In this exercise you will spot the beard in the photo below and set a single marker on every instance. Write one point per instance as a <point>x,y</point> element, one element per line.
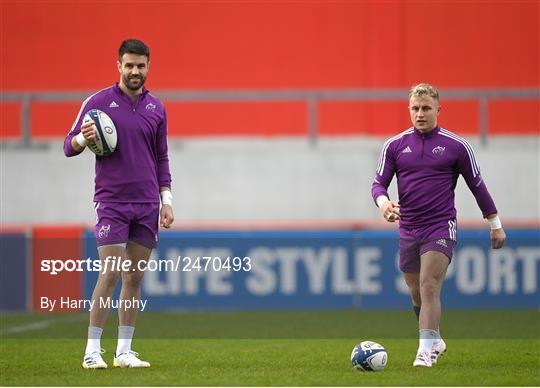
<point>131,82</point>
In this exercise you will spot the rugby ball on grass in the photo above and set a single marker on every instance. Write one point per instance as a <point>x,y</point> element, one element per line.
<point>106,137</point>
<point>369,356</point>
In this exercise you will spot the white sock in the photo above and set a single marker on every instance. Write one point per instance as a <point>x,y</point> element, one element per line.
<point>427,338</point>
<point>93,343</point>
<point>439,338</point>
<point>125,335</point>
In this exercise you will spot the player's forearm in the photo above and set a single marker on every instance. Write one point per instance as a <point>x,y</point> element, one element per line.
<point>381,200</point>
<point>494,221</point>
<point>378,193</point>
<point>75,144</point>
<point>164,172</point>
<point>166,195</point>
<point>164,177</point>
<point>484,200</point>
<point>381,181</point>
<point>72,147</point>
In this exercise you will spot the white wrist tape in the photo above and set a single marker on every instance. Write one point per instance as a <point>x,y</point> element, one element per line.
<point>381,200</point>
<point>495,223</point>
<point>81,140</point>
<point>166,197</point>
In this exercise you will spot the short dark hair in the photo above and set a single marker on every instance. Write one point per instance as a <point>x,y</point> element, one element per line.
<point>133,46</point>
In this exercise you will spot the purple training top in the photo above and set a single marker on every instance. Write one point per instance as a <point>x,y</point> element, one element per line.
<point>427,166</point>
<point>139,166</point>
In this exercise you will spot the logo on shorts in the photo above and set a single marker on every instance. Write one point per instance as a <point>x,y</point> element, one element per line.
<point>442,242</point>
<point>438,150</point>
<point>104,231</point>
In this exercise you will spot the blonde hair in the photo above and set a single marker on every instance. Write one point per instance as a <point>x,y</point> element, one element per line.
<point>422,90</point>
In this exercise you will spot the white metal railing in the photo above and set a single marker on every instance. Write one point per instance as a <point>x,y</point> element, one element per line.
<point>310,96</point>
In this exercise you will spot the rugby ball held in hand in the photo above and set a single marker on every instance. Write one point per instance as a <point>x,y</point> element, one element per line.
<point>106,137</point>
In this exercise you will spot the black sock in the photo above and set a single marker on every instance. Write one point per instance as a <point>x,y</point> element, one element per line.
<point>417,311</point>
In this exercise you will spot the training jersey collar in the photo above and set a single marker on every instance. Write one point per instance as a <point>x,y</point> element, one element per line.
<point>429,134</point>
<point>120,92</point>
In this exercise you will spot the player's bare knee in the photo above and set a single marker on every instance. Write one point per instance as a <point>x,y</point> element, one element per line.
<point>413,283</point>
<point>416,296</point>
<point>429,288</point>
<point>414,290</point>
<point>132,279</point>
<point>109,279</point>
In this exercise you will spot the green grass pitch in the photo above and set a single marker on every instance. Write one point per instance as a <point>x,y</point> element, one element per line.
<point>277,348</point>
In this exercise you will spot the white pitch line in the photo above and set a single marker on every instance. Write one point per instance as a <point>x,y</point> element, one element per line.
<point>39,325</point>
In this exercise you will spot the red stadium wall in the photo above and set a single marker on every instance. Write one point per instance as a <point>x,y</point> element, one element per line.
<point>279,45</point>
<point>55,243</point>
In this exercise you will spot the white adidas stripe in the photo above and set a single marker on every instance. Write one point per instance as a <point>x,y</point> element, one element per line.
<point>474,165</point>
<point>466,144</point>
<point>452,229</point>
<point>82,108</point>
<point>96,207</point>
<point>382,157</point>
